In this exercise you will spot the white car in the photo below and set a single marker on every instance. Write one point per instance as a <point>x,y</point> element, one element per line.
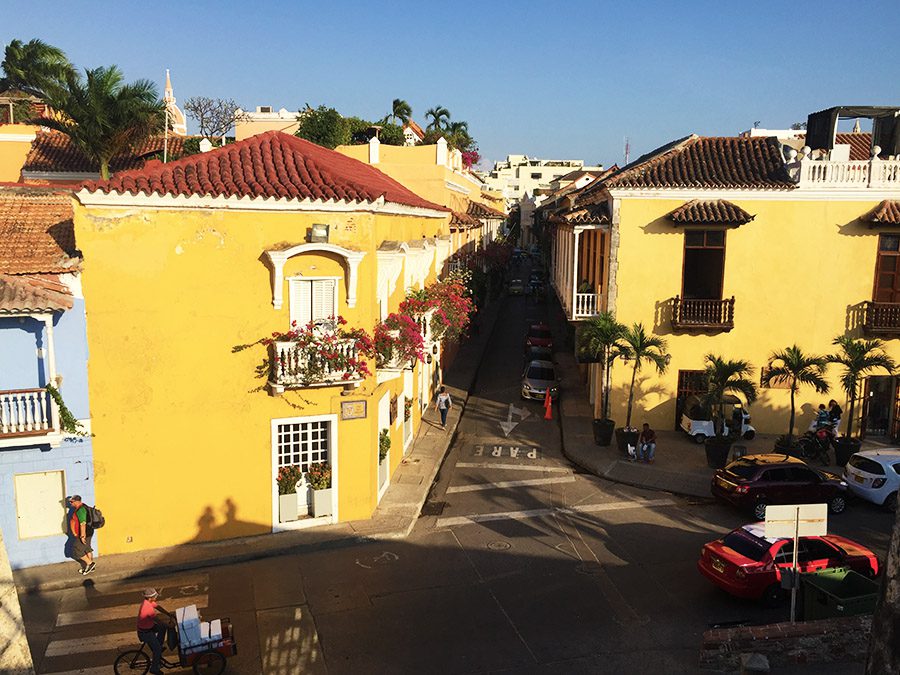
<point>874,475</point>
<point>699,425</point>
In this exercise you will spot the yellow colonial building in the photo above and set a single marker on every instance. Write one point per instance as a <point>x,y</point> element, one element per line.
<point>189,262</point>
<point>741,246</point>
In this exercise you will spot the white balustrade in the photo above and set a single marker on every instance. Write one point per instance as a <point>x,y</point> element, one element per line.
<point>585,305</point>
<point>851,174</point>
<point>25,412</point>
<point>294,366</point>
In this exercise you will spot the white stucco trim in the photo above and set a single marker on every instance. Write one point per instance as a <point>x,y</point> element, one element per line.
<point>279,258</point>
<point>70,176</point>
<point>790,195</point>
<point>18,138</point>
<point>156,201</point>
<point>456,187</point>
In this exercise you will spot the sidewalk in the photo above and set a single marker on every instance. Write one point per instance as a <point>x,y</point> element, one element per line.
<point>394,518</point>
<point>679,464</point>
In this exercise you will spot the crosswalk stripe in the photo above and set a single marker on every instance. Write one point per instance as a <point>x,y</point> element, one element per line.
<point>456,521</point>
<point>511,467</point>
<point>125,611</point>
<point>509,484</point>
<point>97,643</point>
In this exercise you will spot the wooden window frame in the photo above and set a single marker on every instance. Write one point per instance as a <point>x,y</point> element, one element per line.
<point>723,248</point>
<point>879,255</point>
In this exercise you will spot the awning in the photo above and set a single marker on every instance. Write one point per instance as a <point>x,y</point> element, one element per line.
<point>33,294</point>
<point>710,212</point>
<point>886,213</point>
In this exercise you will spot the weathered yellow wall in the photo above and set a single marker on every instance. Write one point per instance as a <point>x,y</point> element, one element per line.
<point>13,153</point>
<point>182,445</point>
<point>793,271</point>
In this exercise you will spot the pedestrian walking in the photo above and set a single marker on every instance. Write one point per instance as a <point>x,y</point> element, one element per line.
<point>646,444</point>
<point>150,629</point>
<point>80,534</point>
<point>443,404</point>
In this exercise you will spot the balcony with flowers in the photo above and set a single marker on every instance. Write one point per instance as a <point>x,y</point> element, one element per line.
<point>398,343</point>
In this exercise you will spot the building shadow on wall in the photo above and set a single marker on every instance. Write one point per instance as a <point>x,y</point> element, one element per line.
<point>223,523</point>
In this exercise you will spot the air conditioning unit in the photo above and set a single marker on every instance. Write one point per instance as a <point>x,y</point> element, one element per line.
<point>263,108</point>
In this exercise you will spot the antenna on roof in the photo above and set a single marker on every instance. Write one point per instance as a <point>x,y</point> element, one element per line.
<point>627,150</point>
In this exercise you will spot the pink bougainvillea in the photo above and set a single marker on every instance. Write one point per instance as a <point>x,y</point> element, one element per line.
<point>398,339</point>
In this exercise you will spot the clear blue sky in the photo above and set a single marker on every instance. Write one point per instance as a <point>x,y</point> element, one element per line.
<point>553,80</point>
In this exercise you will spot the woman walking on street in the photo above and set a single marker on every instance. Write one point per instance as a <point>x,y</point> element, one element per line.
<point>443,404</point>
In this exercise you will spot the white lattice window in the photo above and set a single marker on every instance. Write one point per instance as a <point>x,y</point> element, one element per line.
<point>302,443</point>
<point>313,299</point>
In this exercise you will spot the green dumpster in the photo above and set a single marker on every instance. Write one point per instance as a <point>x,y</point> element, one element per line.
<point>837,592</point>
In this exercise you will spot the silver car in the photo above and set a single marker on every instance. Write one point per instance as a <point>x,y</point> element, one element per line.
<point>537,378</point>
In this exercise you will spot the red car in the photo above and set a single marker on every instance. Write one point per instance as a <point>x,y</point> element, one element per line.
<point>539,335</point>
<point>748,565</point>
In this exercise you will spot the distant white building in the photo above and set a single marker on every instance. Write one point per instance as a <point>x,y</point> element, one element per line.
<point>521,174</point>
<point>265,118</point>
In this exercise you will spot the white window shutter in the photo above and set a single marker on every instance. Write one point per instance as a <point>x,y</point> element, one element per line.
<point>301,301</point>
<point>323,299</point>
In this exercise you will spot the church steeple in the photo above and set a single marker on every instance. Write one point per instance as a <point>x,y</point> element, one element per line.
<point>176,118</point>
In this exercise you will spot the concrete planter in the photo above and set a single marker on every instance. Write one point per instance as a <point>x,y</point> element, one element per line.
<point>321,502</point>
<point>287,507</point>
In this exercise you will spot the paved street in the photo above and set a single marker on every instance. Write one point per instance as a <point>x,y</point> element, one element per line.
<point>519,564</point>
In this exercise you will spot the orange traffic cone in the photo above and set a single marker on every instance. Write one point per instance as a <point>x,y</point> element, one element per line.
<point>548,405</point>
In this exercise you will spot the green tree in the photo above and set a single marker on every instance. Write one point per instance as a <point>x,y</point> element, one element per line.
<point>103,116</point>
<point>401,112</point>
<point>323,126</point>
<point>392,134</point>
<point>794,368</point>
<point>35,68</point>
<point>439,116</point>
<point>723,378</point>
<point>600,337</point>
<point>642,347</point>
<point>859,358</point>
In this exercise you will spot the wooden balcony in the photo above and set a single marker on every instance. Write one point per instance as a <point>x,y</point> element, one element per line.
<point>881,318</point>
<point>26,412</point>
<point>703,314</point>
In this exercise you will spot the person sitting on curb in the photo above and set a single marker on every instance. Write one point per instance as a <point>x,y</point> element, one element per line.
<point>646,444</point>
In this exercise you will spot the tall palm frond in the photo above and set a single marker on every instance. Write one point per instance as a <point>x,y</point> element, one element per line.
<point>401,111</point>
<point>723,378</point>
<point>34,67</point>
<point>859,358</point>
<point>794,368</point>
<point>642,347</point>
<point>439,117</point>
<point>600,338</point>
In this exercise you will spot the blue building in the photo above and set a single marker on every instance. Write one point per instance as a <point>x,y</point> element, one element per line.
<point>42,342</point>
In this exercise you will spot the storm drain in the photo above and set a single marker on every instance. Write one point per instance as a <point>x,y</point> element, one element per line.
<point>433,509</point>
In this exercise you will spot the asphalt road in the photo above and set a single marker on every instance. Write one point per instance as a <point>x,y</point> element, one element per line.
<point>520,564</point>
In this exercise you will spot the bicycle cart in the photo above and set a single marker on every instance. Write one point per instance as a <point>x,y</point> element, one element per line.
<point>206,658</point>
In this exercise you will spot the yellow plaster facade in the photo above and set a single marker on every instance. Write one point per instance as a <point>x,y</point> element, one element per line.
<point>183,445</point>
<point>15,142</point>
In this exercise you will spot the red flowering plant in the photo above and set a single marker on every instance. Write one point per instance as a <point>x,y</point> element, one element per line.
<point>319,352</point>
<point>398,342</point>
<point>450,303</point>
<point>470,158</point>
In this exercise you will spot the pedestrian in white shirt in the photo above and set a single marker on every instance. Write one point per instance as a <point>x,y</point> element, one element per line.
<point>443,404</point>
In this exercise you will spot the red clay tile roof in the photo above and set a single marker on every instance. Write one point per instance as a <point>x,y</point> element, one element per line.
<point>272,164</point>
<point>717,162</point>
<point>479,210</point>
<point>886,213</point>
<point>593,214</point>
<point>860,145</point>
<point>705,211</point>
<point>54,151</point>
<point>36,232</point>
<point>462,221</point>
<point>39,293</point>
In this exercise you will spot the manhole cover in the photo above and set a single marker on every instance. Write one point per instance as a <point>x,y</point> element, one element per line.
<point>590,569</point>
<point>433,508</point>
<point>499,545</point>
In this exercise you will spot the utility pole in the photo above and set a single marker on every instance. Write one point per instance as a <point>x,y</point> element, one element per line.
<point>627,150</point>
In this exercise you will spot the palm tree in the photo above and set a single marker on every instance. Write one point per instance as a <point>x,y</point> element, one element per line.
<point>400,111</point>
<point>34,68</point>
<point>639,345</point>
<point>600,337</point>
<point>792,367</point>
<point>104,116</point>
<point>440,118</point>
<point>723,378</point>
<point>859,358</point>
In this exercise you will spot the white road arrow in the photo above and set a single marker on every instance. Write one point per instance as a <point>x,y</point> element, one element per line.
<point>508,425</point>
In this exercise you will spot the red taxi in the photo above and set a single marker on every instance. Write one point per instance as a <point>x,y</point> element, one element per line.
<point>747,565</point>
<point>539,335</point>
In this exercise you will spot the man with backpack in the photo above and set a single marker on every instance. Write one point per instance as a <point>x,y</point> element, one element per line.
<point>81,532</point>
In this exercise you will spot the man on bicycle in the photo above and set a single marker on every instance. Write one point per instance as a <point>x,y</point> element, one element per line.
<point>150,629</point>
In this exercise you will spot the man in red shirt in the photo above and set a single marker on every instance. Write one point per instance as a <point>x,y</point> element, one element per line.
<point>81,535</point>
<point>150,629</point>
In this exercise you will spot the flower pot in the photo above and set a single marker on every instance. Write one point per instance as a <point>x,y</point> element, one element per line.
<point>287,507</point>
<point>603,431</point>
<point>321,502</point>
<point>843,448</point>
<point>717,449</point>
<point>626,437</point>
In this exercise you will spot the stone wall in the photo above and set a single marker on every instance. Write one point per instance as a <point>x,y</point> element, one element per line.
<point>784,644</point>
<point>15,658</point>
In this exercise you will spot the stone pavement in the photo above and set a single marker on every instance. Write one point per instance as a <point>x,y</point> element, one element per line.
<point>394,518</point>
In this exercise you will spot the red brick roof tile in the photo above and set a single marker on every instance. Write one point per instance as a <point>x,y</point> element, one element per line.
<point>710,211</point>
<point>886,213</point>
<point>54,151</point>
<point>40,293</point>
<point>36,232</point>
<point>272,164</point>
<point>592,214</point>
<point>860,145</point>
<point>716,162</point>
<point>479,210</point>
<point>463,221</point>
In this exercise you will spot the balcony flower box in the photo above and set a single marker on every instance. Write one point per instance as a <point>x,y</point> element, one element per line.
<point>398,342</point>
<point>319,479</point>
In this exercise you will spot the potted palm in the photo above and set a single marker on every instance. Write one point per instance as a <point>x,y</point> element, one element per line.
<point>319,478</point>
<point>287,479</point>
<point>599,340</point>
<point>724,379</point>
<point>859,358</point>
<point>794,368</point>
<point>641,347</point>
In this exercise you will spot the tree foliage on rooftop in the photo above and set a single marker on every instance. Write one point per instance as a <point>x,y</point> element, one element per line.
<point>103,115</point>
<point>401,112</point>
<point>214,116</point>
<point>34,68</point>
<point>440,118</point>
<point>327,127</point>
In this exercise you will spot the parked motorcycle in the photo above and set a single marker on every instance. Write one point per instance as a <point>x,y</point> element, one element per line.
<point>815,444</point>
